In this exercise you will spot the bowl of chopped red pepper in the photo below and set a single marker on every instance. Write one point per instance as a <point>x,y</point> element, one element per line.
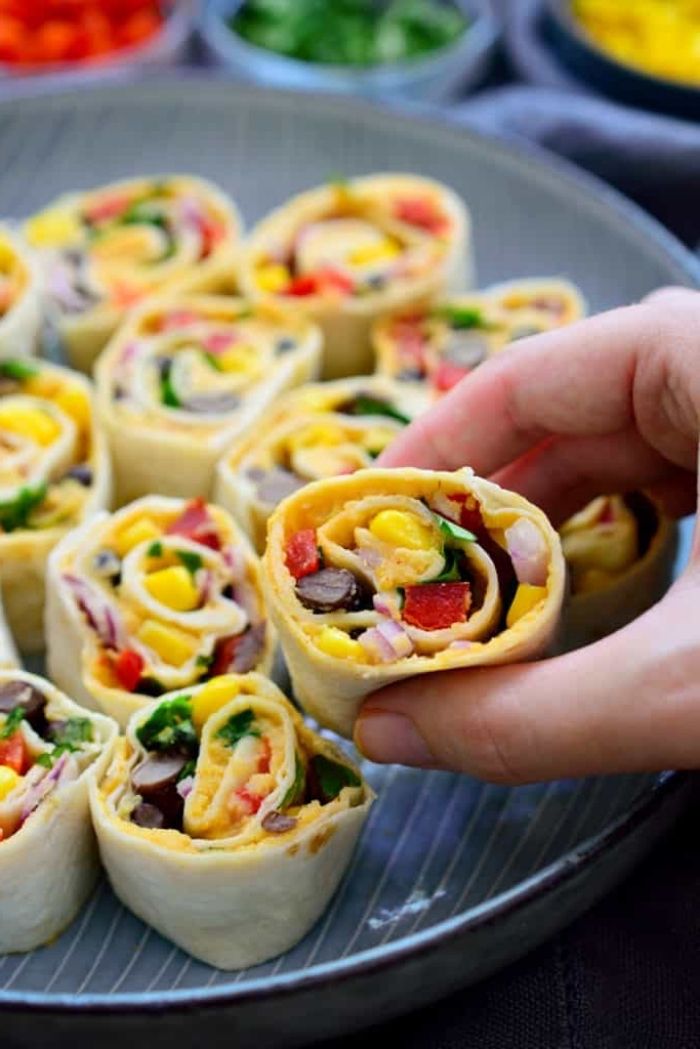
<point>84,37</point>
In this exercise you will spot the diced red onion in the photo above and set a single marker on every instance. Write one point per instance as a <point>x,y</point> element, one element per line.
<point>369,557</point>
<point>218,341</point>
<point>386,642</point>
<point>101,617</point>
<point>185,786</point>
<point>129,352</point>
<point>528,552</point>
<point>460,644</point>
<point>381,604</point>
<point>234,560</point>
<point>206,583</point>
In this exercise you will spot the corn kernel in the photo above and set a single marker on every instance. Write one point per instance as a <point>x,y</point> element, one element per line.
<point>141,531</point>
<point>336,643</point>
<point>315,434</point>
<point>173,646</point>
<point>173,587</point>
<point>31,423</point>
<point>7,256</point>
<point>53,229</point>
<point>212,697</point>
<point>9,779</point>
<point>526,598</point>
<point>76,404</point>
<point>404,530</point>
<point>272,277</point>
<point>385,250</point>
<point>240,358</point>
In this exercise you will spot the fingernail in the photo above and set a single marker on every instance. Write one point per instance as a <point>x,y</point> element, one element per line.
<point>391,739</point>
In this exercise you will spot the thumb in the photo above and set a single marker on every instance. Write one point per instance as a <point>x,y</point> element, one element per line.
<point>629,703</point>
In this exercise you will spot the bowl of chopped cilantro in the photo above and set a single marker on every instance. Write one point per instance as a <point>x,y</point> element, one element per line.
<point>424,50</point>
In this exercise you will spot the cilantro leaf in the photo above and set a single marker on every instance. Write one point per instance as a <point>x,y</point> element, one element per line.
<point>331,777</point>
<point>12,722</point>
<point>168,395</point>
<point>170,727</point>
<point>72,732</point>
<point>238,726</point>
<point>20,371</point>
<point>454,530</point>
<point>295,794</point>
<point>155,549</point>
<point>463,318</point>
<point>190,560</point>
<point>15,514</point>
<point>366,404</point>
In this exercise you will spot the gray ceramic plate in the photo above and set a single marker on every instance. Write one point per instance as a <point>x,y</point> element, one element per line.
<point>453,879</point>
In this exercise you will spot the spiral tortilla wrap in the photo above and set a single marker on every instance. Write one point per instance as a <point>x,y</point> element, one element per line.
<point>20,298</point>
<point>317,431</point>
<point>621,552</point>
<point>416,596</point>
<point>437,346</point>
<point>48,856</point>
<point>186,376</point>
<point>346,253</point>
<point>241,871</point>
<point>54,474</point>
<point>104,250</point>
<point>153,598</point>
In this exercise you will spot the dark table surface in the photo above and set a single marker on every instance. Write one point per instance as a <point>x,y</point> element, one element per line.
<point>624,976</point>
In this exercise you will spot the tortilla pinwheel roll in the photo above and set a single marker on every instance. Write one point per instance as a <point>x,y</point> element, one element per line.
<point>104,250</point>
<point>320,430</point>
<point>49,749</point>
<point>390,573</point>
<point>20,298</point>
<point>621,552</point>
<point>54,473</point>
<point>162,595</point>
<point>225,822</point>
<point>186,376</point>
<point>345,253</point>
<point>438,345</point>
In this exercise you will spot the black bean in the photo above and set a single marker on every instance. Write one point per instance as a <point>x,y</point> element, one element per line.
<point>21,694</point>
<point>82,473</point>
<point>466,348</point>
<point>277,484</point>
<point>213,403</point>
<point>248,649</point>
<point>329,590</point>
<point>285,345</point>
<point>107,564</point>
<point>146,815</point>
<point>148,686</point>
<point>275,822</point>
<point>157,772</point>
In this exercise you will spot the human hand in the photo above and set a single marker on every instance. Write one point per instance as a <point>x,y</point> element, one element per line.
<point>610,404</point>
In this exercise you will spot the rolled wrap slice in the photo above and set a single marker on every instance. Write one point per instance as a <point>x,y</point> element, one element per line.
<point>621,552</point>
<point>49,749</point>
<point>54,473</point>
<point>104,250</point>
<point>347,252</point>
<point>390,573</point>
<point>159,596</point>
<point>438,345</point>
<point>320,430</point>
<point>225,822</point>
<point>187,375</point>
<point>20,298</point>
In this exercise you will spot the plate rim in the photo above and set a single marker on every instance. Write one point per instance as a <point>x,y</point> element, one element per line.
<point>620,212</point>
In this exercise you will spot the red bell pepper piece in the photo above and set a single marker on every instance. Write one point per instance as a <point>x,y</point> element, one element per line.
<point>301,554</point>
<point>105,210</point>
<point>434,606</point>
<point>421,212</point>
<point>128,667</point>
<point>266,756</point>
<point>13,753</point>
<point>249,801</point>
<point>301,286</point>
<point>470,514</point>
<point>447,375</point>
<point>333,280</point>
<point>197,524</point>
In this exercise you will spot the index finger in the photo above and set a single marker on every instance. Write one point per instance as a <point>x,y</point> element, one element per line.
<point>575,381</point>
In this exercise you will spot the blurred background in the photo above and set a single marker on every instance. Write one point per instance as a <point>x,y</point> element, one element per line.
<point>614,85</point>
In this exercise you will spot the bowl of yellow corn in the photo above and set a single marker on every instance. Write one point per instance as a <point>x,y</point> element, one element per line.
<point>642,52</point>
